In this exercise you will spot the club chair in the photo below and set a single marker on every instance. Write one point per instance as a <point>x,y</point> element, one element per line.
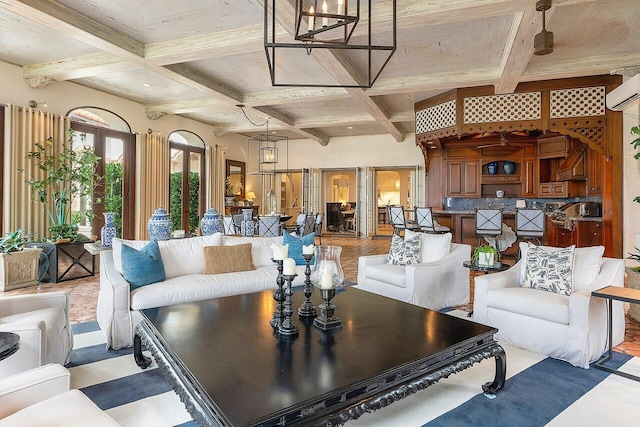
<point>41,397</point>
<point>42,321</point>
<point>567,327</point>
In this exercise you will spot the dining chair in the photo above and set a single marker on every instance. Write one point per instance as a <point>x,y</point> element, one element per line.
<point>228,226</point>
<point>398,220</point>
<point>309,225</point>
<point>424,219</point>
<point>488,223</point>
<point>530,224</point>
<point>318,226</point>
<point>237,223</point>
<point>269,226</point>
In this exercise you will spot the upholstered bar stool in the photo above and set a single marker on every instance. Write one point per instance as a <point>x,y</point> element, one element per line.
<point>530,224</point>
<point>399,221</point>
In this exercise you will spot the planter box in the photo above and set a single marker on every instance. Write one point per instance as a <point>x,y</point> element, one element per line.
<point>67,261</point>
<point>486,259</point>
<point>633,282</point>
<point>19,269</point>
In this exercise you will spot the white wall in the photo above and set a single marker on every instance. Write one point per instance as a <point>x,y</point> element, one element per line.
<point>631,188</point>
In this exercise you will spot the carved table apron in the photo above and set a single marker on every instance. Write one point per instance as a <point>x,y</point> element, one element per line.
<point>229,369</point>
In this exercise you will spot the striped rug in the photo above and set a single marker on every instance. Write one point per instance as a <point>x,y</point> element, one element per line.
<point>539,391</point>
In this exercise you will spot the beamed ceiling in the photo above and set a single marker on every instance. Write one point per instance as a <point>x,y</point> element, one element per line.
<point>203,57</point>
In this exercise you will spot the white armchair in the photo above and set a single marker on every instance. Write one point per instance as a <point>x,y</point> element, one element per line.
<point>571,328</point>
<point>41,397</point>
<point>435,284</point>
<point>42,321</point>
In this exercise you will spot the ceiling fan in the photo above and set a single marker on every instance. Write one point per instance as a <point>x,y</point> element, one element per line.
<point>505,142</point>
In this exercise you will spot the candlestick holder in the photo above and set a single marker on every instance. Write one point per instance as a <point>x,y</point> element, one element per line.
<point>307,309</point>
<point>326,319</point>
<point>278,296</point>
<point>287,327</point>
<point>327,275</point>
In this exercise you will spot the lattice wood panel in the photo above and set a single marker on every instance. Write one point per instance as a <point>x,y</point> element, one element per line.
<point>502,108</point>
<point>437,117</point>
<point>578,102</point>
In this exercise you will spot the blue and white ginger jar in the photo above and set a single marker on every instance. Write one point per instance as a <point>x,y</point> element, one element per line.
<point>211,222</point>
<point>109,231</point>
<point>159,225</point>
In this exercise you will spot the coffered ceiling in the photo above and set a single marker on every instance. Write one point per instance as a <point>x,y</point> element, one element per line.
<point>201,58</point>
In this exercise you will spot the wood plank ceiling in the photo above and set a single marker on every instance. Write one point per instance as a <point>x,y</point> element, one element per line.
<point>202,58</point>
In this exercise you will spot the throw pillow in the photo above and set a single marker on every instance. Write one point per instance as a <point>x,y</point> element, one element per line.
<point>295,245</point>
<point>432,246</point>
<point>404,252</point>
<point>549,271</point>
<point>142,266</point>
<point>227,259</point>
<point>586,263</point>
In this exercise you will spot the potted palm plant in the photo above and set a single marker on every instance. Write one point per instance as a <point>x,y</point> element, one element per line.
<point>68,178</point>
<point>18,264</point>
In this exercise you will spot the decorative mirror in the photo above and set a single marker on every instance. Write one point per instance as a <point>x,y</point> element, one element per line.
<point>235,178</point>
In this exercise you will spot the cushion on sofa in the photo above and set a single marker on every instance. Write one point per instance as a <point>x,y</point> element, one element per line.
<point>184,256</point>
<point>261,251</point>
<point>227,259</point>
<point>180,256</point>
<point>432,246</point>
<point>295,245</point>
<point>586,263</point>
<point>531,303</point>
<point>387,273</point>
<point>142,266</point>
<point>549,271</point>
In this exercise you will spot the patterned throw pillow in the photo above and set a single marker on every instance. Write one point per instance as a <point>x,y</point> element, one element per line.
<point>551,272</point>
<point>404,252</point>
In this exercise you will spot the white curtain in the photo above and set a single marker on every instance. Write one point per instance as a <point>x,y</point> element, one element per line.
<point>25,128</point>
<point>216,170</point>
<point>152,180</point>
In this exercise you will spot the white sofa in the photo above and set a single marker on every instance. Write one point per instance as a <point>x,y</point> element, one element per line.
<point>41,397</point>
<point>571,328</point>
<point>42,321</point>
<point>118,306</point>
<point>435,285</point>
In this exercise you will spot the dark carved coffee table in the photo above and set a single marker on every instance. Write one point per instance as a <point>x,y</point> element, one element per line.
<point>226,364</point>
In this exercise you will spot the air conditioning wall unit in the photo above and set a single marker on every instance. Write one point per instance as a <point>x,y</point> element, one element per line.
<point>626,95</point>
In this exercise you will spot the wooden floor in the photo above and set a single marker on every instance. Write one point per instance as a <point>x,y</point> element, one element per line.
<point>84,292</point>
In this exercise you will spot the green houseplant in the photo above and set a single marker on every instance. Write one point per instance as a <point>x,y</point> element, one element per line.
<point>633,273</point>
<point>18,264</point>
<point>485,255</point>
<point>69,176</point>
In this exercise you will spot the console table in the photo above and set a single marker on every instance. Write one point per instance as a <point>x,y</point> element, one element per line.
<point>615,293</point>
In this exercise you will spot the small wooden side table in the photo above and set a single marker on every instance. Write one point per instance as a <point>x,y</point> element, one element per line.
<point>9,344</point>
<point>615,293</point>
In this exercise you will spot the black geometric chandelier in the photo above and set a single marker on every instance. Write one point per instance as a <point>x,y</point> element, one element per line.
<point>296,49</point>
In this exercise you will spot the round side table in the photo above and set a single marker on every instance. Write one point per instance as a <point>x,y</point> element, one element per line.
<point>498,266</point>
<point>9,344</point>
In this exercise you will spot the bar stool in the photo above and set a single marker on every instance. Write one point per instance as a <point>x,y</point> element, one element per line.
<point>530,224</point>
<point>424,218</point>
<point>488,223</point>
<point>398,220</point>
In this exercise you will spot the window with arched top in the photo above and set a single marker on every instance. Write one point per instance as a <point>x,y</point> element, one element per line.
<point>186,180</point>
<point>111,138</point>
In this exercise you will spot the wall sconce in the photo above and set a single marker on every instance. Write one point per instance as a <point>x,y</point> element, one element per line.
<point>34,104</point>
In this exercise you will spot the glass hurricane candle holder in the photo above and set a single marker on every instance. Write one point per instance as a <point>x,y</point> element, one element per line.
<point>327,276</point>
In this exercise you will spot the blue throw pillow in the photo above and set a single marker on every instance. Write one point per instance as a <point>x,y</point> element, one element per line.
<point>295,245</point>
<point>142,267</point>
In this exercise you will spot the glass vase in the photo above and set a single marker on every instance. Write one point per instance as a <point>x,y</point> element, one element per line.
<point>327,276</point>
